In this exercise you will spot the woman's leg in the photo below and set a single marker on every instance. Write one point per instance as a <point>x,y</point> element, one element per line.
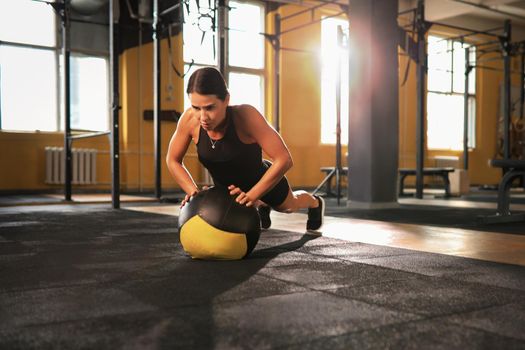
<point>297,200</point>
<point>301,200</point>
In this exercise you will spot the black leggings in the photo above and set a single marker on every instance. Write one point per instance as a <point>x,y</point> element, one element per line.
<point>278,193</point>
<point>276,196</point>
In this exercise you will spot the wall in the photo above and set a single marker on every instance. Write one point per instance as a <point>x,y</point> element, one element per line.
<point>300,119</point>
<point>488,82</point>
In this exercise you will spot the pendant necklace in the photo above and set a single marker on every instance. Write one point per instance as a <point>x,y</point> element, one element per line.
<point>213,142</point>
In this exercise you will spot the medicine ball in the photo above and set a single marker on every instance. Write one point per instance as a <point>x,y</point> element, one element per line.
<point>213,226</point>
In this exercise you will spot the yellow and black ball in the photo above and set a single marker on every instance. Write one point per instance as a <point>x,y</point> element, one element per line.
<point>213,226</point>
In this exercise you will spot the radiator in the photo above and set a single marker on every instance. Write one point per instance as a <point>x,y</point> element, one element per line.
<point>84,166</point>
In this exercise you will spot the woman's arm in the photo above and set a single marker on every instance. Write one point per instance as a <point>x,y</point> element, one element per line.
<point>177,149</point>
<point>254,125</point>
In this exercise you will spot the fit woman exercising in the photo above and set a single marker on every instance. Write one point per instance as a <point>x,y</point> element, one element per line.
<point>230,141</point>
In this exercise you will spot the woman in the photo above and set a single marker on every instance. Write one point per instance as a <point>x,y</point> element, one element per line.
<point>230,141</point>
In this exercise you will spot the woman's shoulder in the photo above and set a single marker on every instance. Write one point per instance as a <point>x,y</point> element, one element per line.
<point>187,119</point>
<point>244,109</point>
<point>248,121</point>
<point>244,114</point>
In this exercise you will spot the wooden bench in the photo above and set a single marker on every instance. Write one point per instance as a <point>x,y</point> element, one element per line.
<point>327,182</point>
<point>442,172</point>
<point>513,169</point>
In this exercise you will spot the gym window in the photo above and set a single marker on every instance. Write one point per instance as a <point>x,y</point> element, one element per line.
<point>445,95</point>
<point>31,74</point>
<point>334,59</point>
<point>245,46</point>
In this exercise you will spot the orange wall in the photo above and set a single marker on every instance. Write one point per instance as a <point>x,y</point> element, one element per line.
<point>299,114</point>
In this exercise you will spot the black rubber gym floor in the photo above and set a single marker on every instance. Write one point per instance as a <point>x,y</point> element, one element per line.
<point>83,276</point>
<point>441,216</point>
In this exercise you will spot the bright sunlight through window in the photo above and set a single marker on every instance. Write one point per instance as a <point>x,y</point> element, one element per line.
<point>445,98</point>
<point>29,98</point>
<point>334,59</point>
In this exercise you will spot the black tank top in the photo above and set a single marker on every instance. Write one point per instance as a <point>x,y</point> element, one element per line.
<point>231,162</point>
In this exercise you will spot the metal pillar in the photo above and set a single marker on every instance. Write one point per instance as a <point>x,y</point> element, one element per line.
<point>66,45</point>
<point>506,90</point>
<point>421,89</point>
<point>156,99</point>
<point>338,164</point>
<point>221,31</point>
<point>115,105</point>
<point>522,82</point>
<point>277,71</point>
<point>468,68</point>
<point>373,140</point>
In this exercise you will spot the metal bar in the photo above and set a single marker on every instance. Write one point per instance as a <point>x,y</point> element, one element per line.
<point>170,9</point>
<point>506,89</point>
<point>115,104</point>
<point>487,60</point>
<point>465,109</point>
<point>0,97</point>
<point>491,9</point>
<point>308,9</point>
<point>311,22</point>
<point>493,69</point>
<point>465,29</point>
<point>89,135</point>
<point>338,164</point>
<point>420,108</point>
<point>277,71</point>
<point>30,46</point>
<point>66,44</point>
<point>462,36</point>
<point>522,83</point>
<point>406,11</point>
<point>222,59</point>
<point>290,49</point>
<point>325,180</point>
<point>156,98</point>
<point>492,42</point>
<point>77,20</point>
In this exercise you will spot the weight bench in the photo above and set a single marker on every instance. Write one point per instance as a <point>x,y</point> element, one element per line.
<point>514,168</point>
<point>443,172</point>
<point>330,172</point>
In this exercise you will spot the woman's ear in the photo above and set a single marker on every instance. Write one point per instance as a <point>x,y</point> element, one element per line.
<point>227,100</point>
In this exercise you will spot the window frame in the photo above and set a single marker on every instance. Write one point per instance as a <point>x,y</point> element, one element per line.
<point>228,69</point>
<point>472,96</point>
<point>57,50</point>
<point>344,86</point>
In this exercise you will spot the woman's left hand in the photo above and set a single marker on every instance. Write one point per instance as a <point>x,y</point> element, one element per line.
<point>242,197</point>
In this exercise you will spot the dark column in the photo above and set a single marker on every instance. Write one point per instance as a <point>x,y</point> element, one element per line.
<point>373,124</point>
<point>66,51</point>
<point>221,33</point>
<point>277,72</point>
<point>468,68</point>
<point>507,103</point>
<point>115,103</point>
<point>157,100</point>
<point>421,73</point>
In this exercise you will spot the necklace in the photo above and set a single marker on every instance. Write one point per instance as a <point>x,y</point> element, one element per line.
<point>213,142</point>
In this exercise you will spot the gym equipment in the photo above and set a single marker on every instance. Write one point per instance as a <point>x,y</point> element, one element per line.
<point>213,226</point>
<point>443,172</point>
<point>513,169</point>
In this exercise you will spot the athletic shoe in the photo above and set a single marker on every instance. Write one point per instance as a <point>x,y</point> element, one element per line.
<point>264,214</point>
<point>316,216</point>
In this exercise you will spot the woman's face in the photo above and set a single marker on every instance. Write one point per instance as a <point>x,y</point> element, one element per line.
<point>209,109</point>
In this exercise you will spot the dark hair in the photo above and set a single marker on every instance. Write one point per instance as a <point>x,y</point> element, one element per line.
<point>208,81</point>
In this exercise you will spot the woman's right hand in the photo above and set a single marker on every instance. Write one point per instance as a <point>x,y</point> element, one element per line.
<point>188,197</point>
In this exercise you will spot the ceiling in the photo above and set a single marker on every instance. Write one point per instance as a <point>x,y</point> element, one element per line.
<point>475,14</point>
<point>471,14</point>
